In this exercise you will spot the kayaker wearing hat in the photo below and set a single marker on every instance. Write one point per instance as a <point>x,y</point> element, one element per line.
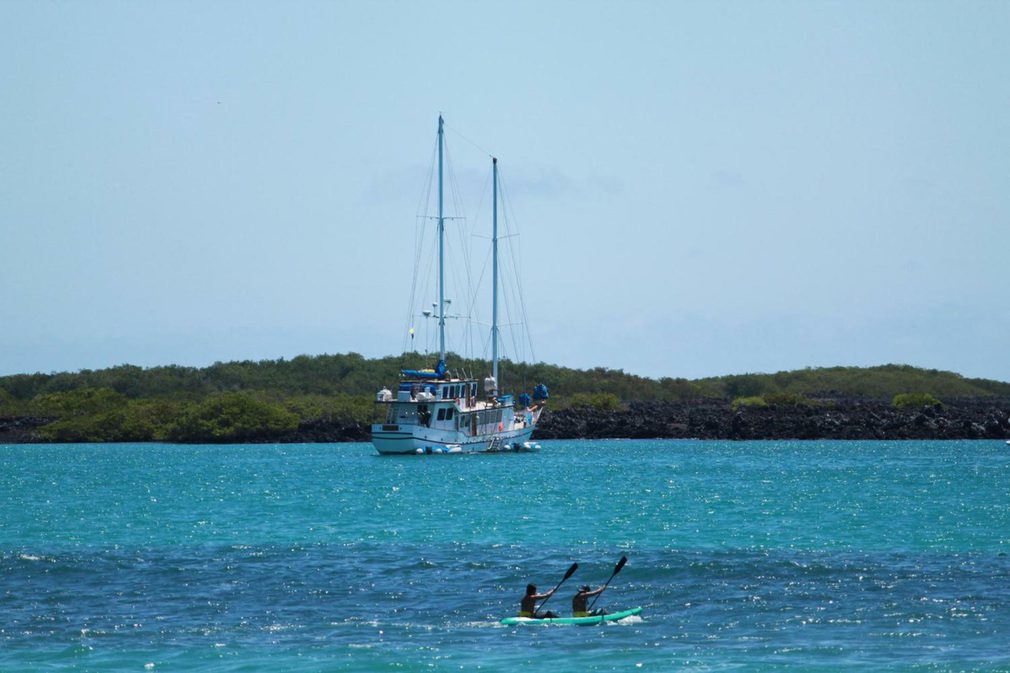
<point>580,600</point>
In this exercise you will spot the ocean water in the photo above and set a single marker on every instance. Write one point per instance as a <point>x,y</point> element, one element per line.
<point>746,556</point>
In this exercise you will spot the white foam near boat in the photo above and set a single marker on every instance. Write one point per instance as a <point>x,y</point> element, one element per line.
<point>433,411</point>
<point>449,448</point>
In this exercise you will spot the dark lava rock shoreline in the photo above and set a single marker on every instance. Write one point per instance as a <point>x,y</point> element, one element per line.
<point>834,418</point>
<point>975,418</point>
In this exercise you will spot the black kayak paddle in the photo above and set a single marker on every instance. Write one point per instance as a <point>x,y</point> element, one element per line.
<point>617,569</point>
<point>571,571</point>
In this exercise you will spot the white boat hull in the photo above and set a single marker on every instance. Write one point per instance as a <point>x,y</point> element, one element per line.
<point>415,440</point>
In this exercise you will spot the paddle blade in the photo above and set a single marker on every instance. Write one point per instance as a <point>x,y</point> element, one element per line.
<point>571,571</point>
<point>620,564</point>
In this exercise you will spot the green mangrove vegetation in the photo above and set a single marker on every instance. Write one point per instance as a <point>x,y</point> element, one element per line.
<point>235,401</point>
<point>914,400</point>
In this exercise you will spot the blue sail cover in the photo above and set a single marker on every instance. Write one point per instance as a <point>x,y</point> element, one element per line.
<point>438,373</point>
<point>540,392</point>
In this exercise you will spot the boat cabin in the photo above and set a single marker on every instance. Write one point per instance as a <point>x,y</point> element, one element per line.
<point>445,405</point>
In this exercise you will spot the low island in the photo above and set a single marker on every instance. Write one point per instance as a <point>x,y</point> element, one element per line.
<point>329,398</point>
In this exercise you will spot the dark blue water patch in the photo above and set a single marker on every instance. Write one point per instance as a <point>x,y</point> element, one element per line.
<point>869,607</point>
<point>378,604</point>
<point>745,556</point>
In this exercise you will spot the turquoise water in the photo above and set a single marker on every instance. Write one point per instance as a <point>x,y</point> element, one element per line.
<point>745,556</point>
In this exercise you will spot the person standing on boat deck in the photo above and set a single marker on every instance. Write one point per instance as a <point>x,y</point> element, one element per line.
<point>528,605</point>
<point>579,601</point>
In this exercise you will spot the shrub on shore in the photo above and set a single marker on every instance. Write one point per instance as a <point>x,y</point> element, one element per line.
<point>785,399</point>
<point>902,400</point>
<point>751,401</point>
<point>231,417</point>
<point>596,401</point>
<point>778,399</point>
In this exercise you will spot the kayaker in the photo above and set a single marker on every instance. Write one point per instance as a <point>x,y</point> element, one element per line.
<point>580,600</point>
<point>528,605</point>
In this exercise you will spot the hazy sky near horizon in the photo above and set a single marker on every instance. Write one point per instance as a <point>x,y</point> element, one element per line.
<point>701,188</point>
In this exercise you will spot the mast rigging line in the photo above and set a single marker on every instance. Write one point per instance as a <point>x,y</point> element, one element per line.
<point>514,258</point>
<point>479,147</point>
<point>466,285</point>
<point>425,199</point>
<point>511,347</point>
<point>461,285</point>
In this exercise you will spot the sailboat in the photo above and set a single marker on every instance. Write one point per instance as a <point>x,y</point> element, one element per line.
<point>435,411</point>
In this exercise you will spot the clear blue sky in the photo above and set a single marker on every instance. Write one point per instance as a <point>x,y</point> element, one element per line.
<point>703,188</point>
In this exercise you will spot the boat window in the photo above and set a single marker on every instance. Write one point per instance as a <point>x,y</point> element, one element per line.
<point>441,414</point>
<point>448,414</point>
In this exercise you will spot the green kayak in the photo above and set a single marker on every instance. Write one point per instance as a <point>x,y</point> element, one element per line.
<point>598,619</point>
